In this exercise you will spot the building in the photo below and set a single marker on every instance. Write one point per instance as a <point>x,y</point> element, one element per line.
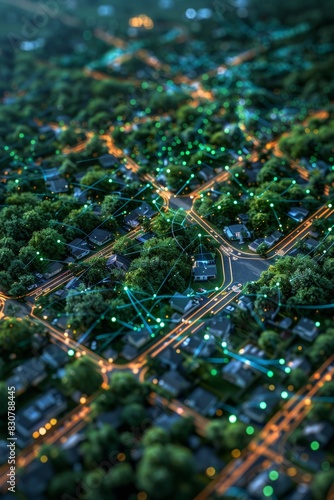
<point>310,243</point>
<point>138,338</point>
<point>143,238</point>
<point>261,404</point>
<point>245,303</point>
<point>57,185</point>
<point>322,432</point>
<point>54,356</point>
<point>220,327</point>
<point>298,214</point>
<point>144,210</point>
<point>202,401</point>
<point>117,261</point>
<point>199,347</point>
<point>238,373</point>
<point>100,236</point>
<point>79,248</point>
<point>306,329</point>
<point>37,414</point>
<point>272,239</point>
<point>53,269</point>
<point>237,232</point>
<point>182,303</point>
<point>174,383</point>
<point>204,272</point>
<point>169,358</point>
<point>206,258</point>
<point>108,161</point>
<point>27,374</point>
<point>255,244</point>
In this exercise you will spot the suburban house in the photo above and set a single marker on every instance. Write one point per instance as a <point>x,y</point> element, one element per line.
<point>57,185</point>
<point>255,244</point>
<point>43,408</point>
<point>182,303</point>
<point>322,432</point>
<point>108,161</point>
<point>306,329</point>
<point>199,347</point>
<point>261,404</point>
<point>100,236</point>
<point>202,401</point>
<point>220,327</point>
<point>54,356</point>
<point>79,248</point>
<point>174,383</point>
<point>204,267</point>
<point>245,303</point>
<point>27,374</point>
<point>53,269</point>
<point>117,261</point>
<point>311,243</point>
<point>138,338</point>
<point>145,237</point>
<point>169,358</point>
<point>237,232</point>
<point>298,214</point>
<point>238,373</point>
<point>273,238</point>
<point>144,210</point>
<point>243,218</point>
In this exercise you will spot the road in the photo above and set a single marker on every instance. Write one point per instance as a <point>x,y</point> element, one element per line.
<point>278,427</point>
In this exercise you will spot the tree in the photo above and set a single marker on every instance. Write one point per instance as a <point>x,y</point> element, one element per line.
<point>16,334</point>
<point>49,243</point>
<point>262,249</point>
<point>182,429</point>
<point>177,176</point>
<point>127,388</point>
<point>119,476</point>
<point>84,307</point>
<point>225,435</point>
<point>81,375</point>
<point>99,445</point>
<point>321,484</point>
<point>166,471</point>
<point>155,435</point>
<point>297,378</point>
<point>133,414</point>
<point>269,340</point>
<point>64,481</point>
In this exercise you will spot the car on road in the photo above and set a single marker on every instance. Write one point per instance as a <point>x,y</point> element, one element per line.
<point>31,287</point>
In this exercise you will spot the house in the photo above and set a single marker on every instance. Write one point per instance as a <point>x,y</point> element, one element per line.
<point>53,269</point>
<point>169,358</point>
<point>145,237</point>
<point>298,214</point>
<point>237,232</point>
<point>107,161</point>
<point>238,373</point>
<point>300,363</point>
<point>255,244</point>
<point>245,303</point>
<point>144,210</point>
<point>199,347</point>
<point>138,338</point>
<point>306,329</point>
<point>182,303</point>
<point>322,432</point>
<point>295,252</point>
<point>174,383</point>
<point>27,374</point>
<point>54,356</point>
<point>57,185</point>
<point>243,218</point>
<point>261,404</point>
<point>220,327</point>
<point>204,272</point>
<point>129,352</point>
<point>117,261</point>
<point>100,236</point>
<point>280,486</point>
<point>202,401</point>
<point>37,414</point>
<point>79,248</point>
<point>206,457</point>
<point>206,258</point>
<point>310,243</point>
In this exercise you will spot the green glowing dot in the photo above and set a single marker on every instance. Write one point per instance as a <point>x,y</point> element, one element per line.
<point>162,324</point>
<point>314,445</point>
<point>284,394</point>
<point>270,374</point>
<point>317,324</point>
<point>70,352</point>
<point>250,430</point>
<point>287,369</point>
<point>263,405</point>
<point>125,288</point>
<point>268,491</point>
<point>273,474</point>
<point>232,419</point>
<point>113,319</point>
<point>282,361</point>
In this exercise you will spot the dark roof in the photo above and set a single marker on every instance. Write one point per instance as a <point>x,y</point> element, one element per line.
<point>206,457</point>
<point>78,246</point>
<point>202,400</point>
<point>116,258</point>
<point>100,235</point>
<point>204,257</point>
<point>107,161</point>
